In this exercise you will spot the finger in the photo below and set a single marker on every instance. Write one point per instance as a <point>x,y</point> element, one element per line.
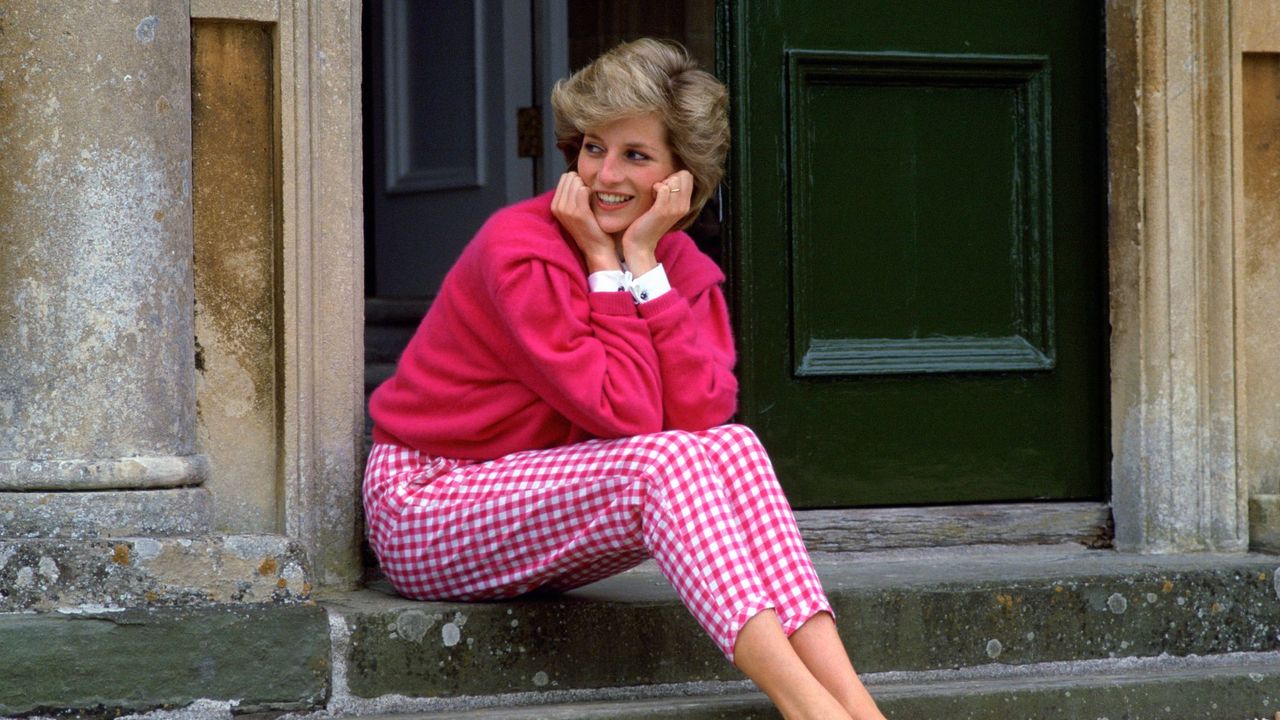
<point>569,193</point>
<point>562,188</point>
<point>676,196</point>
<point>582,197</point>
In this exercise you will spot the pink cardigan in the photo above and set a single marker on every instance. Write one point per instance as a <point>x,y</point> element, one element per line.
<point>517,354</point>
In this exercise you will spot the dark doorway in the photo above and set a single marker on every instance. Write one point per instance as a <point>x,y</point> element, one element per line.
<point>445,83</point>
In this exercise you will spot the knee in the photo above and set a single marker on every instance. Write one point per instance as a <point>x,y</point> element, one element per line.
<point>736,446</point>
<point>673,448</point>
<point>675,461</point>
<point>736,434</point>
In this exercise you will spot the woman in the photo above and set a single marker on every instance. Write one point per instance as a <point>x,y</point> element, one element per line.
<point>558,416</point>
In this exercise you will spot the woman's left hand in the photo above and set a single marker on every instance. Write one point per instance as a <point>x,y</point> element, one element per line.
<point>670,203</point>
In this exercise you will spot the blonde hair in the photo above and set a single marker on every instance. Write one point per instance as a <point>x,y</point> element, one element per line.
<point>645,77</point>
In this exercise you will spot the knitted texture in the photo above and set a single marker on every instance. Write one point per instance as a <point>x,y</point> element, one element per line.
<point>516,353</point>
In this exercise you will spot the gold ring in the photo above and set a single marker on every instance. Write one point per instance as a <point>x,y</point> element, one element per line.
<point>674,189</point>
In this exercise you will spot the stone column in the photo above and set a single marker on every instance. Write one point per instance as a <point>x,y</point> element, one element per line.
<point>1175,482</point>
<point>97,359</point>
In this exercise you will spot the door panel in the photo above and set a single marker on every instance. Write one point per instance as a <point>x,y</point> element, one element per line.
<point>443,131</point>
<point>877,145</point>
<point>918,255</point>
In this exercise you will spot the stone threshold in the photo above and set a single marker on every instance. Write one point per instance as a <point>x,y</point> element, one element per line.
<point>1027,523</point>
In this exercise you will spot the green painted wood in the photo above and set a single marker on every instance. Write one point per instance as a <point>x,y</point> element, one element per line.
<point>918,255</point>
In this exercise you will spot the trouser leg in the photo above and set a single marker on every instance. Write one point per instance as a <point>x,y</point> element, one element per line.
<point>767,522</point>
<point>566,516</point>
<point>551,518</point>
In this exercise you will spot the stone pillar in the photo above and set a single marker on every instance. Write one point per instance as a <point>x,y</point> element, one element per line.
<point>97,359</point>
<point>1175,482</point>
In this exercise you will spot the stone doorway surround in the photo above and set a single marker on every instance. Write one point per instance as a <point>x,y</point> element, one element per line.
<point>321,345</point>
<point>1193,367</point>
<point>1185,364</point>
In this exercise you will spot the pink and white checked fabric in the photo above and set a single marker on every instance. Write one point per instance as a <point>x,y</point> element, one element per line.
<point>705,505</point>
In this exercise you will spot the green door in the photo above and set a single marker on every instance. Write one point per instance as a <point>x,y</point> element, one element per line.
<point>918,253</point>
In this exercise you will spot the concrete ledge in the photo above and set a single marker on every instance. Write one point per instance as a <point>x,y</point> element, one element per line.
<point>49,574</point>
<point>105,663</point>
<point>1242,686</point>
<point>142,472</point>
<point>899,611</point>
<point>930,610</point>
<point>573,641</point>
<point>120,513</point>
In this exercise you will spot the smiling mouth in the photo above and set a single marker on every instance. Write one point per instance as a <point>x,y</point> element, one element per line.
<point>609,200</point>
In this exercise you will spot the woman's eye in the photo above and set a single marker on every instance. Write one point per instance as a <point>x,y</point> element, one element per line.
<point>593,149</point>
<point>636,155</point>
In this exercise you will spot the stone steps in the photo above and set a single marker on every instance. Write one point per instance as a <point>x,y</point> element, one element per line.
<point>1048,631</point>
<point>1042,627</point>
<point>1243,685</point>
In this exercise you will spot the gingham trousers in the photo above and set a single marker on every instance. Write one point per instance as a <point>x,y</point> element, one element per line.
<point>705,506</point>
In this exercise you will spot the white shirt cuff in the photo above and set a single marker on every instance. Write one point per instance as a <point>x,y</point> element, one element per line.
<point>609,281</point>
<point>651,285</point>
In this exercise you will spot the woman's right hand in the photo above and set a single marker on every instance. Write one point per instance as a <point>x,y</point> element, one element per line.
<point>571,206</point>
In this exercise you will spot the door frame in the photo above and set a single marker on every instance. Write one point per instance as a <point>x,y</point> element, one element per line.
<point>1174,480</point>
<point>1164,259</point>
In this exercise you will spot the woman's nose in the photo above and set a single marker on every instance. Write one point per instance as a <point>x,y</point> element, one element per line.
<point>610,170</point>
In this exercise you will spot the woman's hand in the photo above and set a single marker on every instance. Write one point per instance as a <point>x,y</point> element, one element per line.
<point>670,203</point>
<point>571,206</point>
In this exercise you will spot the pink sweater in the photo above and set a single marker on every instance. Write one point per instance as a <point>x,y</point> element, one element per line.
<point>517,354</point>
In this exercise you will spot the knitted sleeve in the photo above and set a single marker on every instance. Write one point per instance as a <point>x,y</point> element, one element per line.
<point>589,355</point>
<point>694,344</point>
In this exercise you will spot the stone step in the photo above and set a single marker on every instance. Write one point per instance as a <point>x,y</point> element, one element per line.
<point>901,611</point>
<point>1047,631</point>
<point>1239,685</point>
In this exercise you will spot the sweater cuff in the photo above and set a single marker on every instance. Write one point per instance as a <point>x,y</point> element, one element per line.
<point>657,306</point>
<point>613,303</point>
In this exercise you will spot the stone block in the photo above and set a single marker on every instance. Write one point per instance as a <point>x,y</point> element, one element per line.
<point>106,662</point>
<point>908,611</point>
<point>51,574</point>
<point>1264,523</point>
<point>423,649</point>
<point>82,515</point>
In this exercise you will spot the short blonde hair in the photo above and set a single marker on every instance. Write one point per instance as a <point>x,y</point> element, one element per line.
<point>643,77</point>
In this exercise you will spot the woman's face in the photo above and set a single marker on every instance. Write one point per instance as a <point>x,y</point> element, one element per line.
<point>619,163</point>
